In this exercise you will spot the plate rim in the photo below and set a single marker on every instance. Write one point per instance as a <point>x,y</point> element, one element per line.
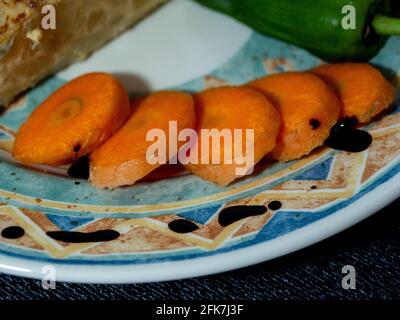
<point>296,240</point>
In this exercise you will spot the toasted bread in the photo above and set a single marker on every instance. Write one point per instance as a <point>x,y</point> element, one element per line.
<point>28,53</point>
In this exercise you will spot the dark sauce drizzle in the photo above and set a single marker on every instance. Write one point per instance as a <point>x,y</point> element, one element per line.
<point>77,148</point>
<point>275,205</point>
<point>182,226</point>
<point>345,137</point>
<point>233,214</point>
<point>80,169</point>
<point>81,237</point>
<point>13,232</point>
<point>315,124</point>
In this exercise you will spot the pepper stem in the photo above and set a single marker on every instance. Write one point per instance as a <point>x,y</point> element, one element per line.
<point>386,26</point>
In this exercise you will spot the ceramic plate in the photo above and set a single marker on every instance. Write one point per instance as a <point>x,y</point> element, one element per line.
<point>186,47</point>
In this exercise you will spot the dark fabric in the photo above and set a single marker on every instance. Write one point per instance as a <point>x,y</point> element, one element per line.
<point>372,247</point>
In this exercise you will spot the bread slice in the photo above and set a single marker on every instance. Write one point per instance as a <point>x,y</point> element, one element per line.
<point>28,53</point>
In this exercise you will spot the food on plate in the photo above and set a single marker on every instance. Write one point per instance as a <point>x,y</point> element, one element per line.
<point>234,108</point>
<point>29,52</point>
<point>309,110</point>
<point>362,89</point>
<point>123,159</point>
<point>219,134</point>
<point>334,30</point>
<point>73,121</point>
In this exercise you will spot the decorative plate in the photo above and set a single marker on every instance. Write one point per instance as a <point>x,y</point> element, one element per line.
<point>321,194</point>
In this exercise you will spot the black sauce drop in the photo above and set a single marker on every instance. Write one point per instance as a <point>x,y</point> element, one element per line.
<point>77,148</point>
<point>82,237</point>
<point>182,226</point>
<point>274,205</point>
<point>13,232</point>
<point>233,214</point>
<point>345,137</point>
<point>315,124</point>
<point>80,169</point>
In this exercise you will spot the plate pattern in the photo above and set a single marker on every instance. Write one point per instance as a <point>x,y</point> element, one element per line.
<point>309,190</point>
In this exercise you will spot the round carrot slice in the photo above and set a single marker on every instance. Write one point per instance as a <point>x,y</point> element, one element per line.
<point>124,159</point>
<point>308,107</point>
<point>362,88</point>
<point>73,121</point>
<point>220,113</point>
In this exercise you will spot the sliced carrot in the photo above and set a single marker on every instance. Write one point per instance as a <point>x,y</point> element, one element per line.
<point>362,88</point>
<point>233,108</point>
<point>73,121</point>
<point>308,107</point>
<point>122,159</point>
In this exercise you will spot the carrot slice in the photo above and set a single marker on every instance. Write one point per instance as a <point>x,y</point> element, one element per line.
<point>308,107</point>
<point>362,88</point>
<point>233,108</point>
<point>122,159</point>
<point>73,121</point>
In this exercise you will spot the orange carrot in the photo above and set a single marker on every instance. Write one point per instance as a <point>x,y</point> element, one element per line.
<point>122,160</point>
<point>308,107</point>
<point>233,108</point>
<point>73,121</point>
<point>362,89</point>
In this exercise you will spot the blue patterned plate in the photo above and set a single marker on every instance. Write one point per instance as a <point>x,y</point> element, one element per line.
<point>320,195</point>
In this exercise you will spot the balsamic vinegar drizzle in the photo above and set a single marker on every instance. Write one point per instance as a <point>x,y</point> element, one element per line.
<point>233,214</point>
<point>81,237</point>
<point>315,124</point>
<point>77,148</point>
<point>80,169</point>
<point>345,137</point>
<point>182,226</point>
<point>274,205</point>
<point>13,232</point>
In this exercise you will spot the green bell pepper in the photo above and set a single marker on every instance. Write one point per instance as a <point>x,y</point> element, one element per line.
<point>316,25</point>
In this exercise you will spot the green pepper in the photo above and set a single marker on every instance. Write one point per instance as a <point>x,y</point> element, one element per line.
<point>316,25</point>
